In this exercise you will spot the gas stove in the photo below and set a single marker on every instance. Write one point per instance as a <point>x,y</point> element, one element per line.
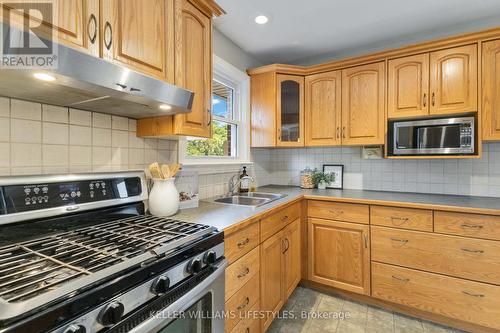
<point>78,254</point>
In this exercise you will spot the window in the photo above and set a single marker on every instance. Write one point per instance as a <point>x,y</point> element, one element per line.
<point>224,126</point>
<point>230,121</point>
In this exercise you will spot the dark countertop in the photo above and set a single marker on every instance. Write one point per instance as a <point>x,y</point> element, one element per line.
<point>223,216</point>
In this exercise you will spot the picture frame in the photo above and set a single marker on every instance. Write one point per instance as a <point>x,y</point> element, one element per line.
<point>338,170</point>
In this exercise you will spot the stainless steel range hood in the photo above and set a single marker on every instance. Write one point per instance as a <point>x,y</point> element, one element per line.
<point>85,82</point>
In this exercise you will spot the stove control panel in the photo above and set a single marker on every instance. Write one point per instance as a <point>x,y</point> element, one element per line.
<point>29,197</point>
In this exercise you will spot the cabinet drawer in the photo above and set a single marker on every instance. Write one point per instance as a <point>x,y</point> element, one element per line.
<point>339,211</point>
<point>474,259</point>
<point>274,223</point>
<point>250,324</point>
<point>242,301</point>
<point>241,242</point>
<point>475,302</point>
<point>470,225</point>
<point>241,271</point>
<point>404,218</point>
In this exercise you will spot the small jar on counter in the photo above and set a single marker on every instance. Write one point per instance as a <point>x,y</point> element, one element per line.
<point>306,178</point>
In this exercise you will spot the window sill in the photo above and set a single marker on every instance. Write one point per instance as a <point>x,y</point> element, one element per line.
<point>213,163</point>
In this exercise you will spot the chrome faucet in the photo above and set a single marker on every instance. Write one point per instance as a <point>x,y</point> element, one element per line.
<point>232,185</point>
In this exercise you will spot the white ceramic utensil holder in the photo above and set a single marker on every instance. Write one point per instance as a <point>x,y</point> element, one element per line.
<point>164,198</point>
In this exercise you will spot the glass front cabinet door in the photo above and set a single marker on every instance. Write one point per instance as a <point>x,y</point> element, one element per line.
<point>290,107</point>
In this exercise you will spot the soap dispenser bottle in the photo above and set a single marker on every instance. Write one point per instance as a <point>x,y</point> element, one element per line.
<point>244,181</point>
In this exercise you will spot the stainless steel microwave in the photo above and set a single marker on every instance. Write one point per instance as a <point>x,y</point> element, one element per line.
<point>447,136</point>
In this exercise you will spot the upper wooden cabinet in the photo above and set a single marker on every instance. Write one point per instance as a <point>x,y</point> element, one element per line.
<point>277,110</point>
<point>323,109</point>
<point>194,69</point>
<point>263,114</point>
<point>339,255</point>
<point>77,24</point>
<point>290,110</point>
<point>140,34</point>
<point>408,86</point>
<point>453,80</point>
<point>491,90</point>
<point>363,104</point>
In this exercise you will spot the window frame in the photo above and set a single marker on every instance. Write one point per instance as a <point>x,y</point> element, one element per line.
<point>239,81</point>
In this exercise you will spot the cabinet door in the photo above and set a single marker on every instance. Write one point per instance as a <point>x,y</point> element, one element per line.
<point>139,34</point>
<point>323,109</point>
<point>339,255</point>
<point>194,69</point>
<point>363,100</point>
<point>290,110</point>
<point>77,22</point>
<point>408,86</point>
<point>453,80</point>
<point>491,90</point>
<point>291,237</point>
<point>263,109</point>
<point>271,277</point>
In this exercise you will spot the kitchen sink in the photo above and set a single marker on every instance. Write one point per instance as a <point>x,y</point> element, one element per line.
<point>252,199</point>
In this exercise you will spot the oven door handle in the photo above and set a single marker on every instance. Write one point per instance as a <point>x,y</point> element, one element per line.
<point>153,324</point>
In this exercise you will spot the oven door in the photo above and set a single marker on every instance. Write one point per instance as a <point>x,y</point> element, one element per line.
<point>200,310</point>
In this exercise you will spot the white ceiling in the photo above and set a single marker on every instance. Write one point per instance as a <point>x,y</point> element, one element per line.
<point>301,30</point>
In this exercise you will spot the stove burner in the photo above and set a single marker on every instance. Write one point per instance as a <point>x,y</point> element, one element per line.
<point>36,267</point>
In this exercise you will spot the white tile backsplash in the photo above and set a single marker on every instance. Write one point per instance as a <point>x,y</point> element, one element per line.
<point>37,138</point>
<point>478,177</point>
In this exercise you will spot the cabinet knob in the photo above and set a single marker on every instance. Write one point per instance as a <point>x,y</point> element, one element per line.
<point>92,35</point>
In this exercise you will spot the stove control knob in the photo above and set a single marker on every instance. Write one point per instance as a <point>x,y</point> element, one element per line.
<point>161,285</point>
<point>111,314</point>
<point>194,266</point>
<point>74,328</point>
<point>210,257</point>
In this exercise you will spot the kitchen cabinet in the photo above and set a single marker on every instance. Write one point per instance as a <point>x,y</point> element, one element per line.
<point>363,105</point>
<point>291,237</point>
<point>290,110</point>
<point>77,24</point>
<point>339,255</point>
<point>453,80</point>
<point>408,86</point>
<point>272,267</point>
<point>323,111</point>
<point>491,89</point>
<point>194,70</point>
<point>277,110</point>
<point>140,35</point>
<point>280,269</point>
<point>440,82</point>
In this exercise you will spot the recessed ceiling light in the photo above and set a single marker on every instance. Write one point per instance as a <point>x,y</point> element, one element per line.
<point>261,19</point>
<point>165,107</point>
<point>44,77</point>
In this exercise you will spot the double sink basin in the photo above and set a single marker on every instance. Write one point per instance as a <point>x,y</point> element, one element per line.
<point>251,199</point>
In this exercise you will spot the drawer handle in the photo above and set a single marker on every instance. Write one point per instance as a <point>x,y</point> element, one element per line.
<point>400,278</point>
<point>338,212</point>
<point>471,251</point>
<point>284,218</point>
<point>244,305</point>
<point>245,273</point>
<point>403,220</point>
<point>471,226</point>
<point>472,294</point>
<point>404,241</point>
<point>243,242</point>
<point>285,245</point>
<point>247,330</point>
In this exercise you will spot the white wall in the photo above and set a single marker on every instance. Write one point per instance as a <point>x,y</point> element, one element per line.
<point>226,49</point>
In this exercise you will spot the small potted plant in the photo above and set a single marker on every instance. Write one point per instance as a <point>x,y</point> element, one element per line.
<point>321,179</point>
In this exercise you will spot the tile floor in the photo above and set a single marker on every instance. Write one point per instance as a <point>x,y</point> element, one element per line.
<point>362,318</point>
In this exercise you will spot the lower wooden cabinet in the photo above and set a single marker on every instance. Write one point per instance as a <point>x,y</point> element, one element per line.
<point>279,269</point>
<point>339,255</point>
<point>478,303</point>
